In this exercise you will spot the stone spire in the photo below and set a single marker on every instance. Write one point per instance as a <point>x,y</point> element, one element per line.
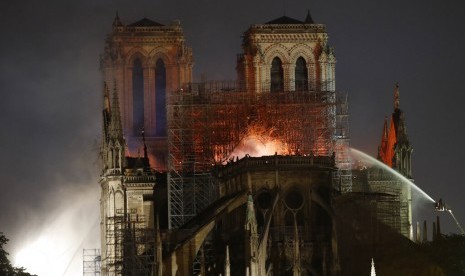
<point>395,149</point>
<point>398,116</point>
<point>396,97</point>
<point>227,263</point>
<point>113,143</point>
<point>373,271</point>
<point>106,113</point>
<point>116,128</point>
<point>251,220</point>
<point>251,238</point>
<point>308,18</point>
<point>384,141</point>
<point>117,21</point>
<point>296,266</point>
<point>403,149</point>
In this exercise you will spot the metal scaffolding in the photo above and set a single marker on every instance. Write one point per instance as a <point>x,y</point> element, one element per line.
<point>91,262</point>
<point>344,174</point>
<point>208,121</point>
<point>394,207</point>
<point>130,245</point>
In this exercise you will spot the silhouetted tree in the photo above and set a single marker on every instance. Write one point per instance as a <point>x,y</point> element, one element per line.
<point>6,269</point>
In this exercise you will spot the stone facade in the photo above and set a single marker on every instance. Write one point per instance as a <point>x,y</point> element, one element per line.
<point>126,200</point>
<point>265,215</point>
<point>289,227</point>
<point>291,44</point>
<point>144,62</point>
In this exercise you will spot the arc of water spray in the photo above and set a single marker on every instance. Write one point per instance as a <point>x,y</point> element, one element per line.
<point>81,244</point>
<point>457,222</point>
<point>391,170</point>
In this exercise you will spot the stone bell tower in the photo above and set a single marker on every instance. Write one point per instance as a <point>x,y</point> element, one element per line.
<point>287,54</point>
<point>145,62</point>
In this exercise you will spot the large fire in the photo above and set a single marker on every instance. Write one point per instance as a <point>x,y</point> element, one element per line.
<point>259,142</point>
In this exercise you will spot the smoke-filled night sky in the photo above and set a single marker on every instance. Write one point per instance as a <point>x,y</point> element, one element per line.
<point>51,90</point>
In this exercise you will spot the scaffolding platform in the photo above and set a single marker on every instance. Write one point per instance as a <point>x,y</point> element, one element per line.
<point>210,123</point>
<point>91,262</point>
<point>130,245</point>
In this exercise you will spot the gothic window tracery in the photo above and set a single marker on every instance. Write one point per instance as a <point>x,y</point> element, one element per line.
<point>277,75</point>
<point>301,75</point>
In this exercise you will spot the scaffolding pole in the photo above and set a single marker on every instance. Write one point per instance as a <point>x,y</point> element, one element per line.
<point>91,262</point>
<point>130,245</point>
<point>208,121</point>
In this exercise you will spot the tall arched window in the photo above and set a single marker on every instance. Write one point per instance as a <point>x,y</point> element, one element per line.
<point>137,97</point>
<point>301,75</point>
<point>277,75</point>
<point>160,97</point>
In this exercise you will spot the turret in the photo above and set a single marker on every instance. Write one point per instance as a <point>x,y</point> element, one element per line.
<point>395,149</point>
<point>308,18</point>
<point>117,22</point>
<point>251,239</point>
<point>296,265</point>
<point>227,263</point>
<point>113,144</point>
<point>373,271</point>
<point>384,140</point>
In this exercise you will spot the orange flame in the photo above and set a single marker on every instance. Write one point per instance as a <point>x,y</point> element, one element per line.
<point>259,142</point>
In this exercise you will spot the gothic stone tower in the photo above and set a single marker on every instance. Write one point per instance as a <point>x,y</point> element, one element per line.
<point>286,54</point>
<point>146,61</point>
<point>142,64</point>
<point>289,55</point>
<point>126,204</point>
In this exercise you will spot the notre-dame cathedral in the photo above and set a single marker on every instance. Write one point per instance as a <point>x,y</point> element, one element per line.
<point>245,177</point>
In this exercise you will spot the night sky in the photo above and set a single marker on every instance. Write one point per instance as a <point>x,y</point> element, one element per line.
<point>51,89</point>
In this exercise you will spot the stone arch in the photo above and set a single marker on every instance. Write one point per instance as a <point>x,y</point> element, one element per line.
<point>276,50</point>
<point>135,53</point>
<point>183,255</point>
<point>276,75</point>
<point>270,53</point>
<point>301,74</point>
<point>306,52</point>
<point>160,53</point>
<point>301,50</point>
